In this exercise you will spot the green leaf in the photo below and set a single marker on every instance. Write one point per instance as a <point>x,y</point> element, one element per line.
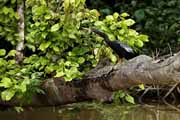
<point>71,54</point>
<point>124,14</point>
<point>12,62</point>
<point>81,60</point>
<point>68,78</point>
<point>129,99</point>
<point>49,69</point>
<point>32,47</point>
<point>113,27</point>
<point>141,86</point>
<point>132,32</point>
<point>129,22</point>
<point>47,17</point>
<point>72,36</point>
<point>2,62</point>
<point>131,42</point>
<point>16,15</point>
<point>11,53</point>
<point>13,1</point>
<point>139,14</point>
<point>2,52</point>
<point>19,109</point>
<point>6,82</point>
<point>121,94</point>
<point>118,95</point>
<point>116,15</point>
<point>44,34</point>
<point>66,4</point>
<point>7,94</point>
<point>80,51</point>
<point>56,49</point>
<point>121,31</point>
<point>106,11</point>
<point>143,38</point>
<point>113,58</point>
<point>22,87</point>
<point>98,23</point>
<point>44,46</point>
<point>37,24</point>
<point>109,18</point>
<point>59,74</point>
<point>139,43</point>
<point>5,10</point>
<point>55,27</point>
<point>39,10</point>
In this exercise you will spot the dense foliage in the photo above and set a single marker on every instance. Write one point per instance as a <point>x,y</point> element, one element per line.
<point>160,19</point>
<point>56,43</point>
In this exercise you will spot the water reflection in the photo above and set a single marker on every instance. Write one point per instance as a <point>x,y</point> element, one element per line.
<point>95,112</point>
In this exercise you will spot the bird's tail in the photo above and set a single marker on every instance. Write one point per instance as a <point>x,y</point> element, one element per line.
<point>106,38</point>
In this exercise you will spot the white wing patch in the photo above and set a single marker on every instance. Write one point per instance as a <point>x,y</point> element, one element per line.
<point>126,47</point>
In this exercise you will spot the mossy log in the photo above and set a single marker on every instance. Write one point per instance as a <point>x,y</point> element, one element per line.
<point>102,81</point>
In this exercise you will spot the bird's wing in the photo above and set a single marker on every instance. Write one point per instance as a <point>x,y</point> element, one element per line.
<point>126,47</point>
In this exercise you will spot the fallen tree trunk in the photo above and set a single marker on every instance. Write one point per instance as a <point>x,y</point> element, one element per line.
<point>102,81</point>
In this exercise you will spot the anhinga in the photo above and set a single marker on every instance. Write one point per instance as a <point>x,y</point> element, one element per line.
<point>122,49</point>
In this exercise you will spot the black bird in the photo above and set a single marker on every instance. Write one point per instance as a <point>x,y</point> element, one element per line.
<point>122,49</point>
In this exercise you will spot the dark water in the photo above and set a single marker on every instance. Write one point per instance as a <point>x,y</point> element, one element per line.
<point>94,112</point>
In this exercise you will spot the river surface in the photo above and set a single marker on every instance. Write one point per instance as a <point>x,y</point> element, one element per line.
<point>94,112</point>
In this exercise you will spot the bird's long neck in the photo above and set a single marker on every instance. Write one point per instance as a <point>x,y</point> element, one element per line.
<point>106,38</point>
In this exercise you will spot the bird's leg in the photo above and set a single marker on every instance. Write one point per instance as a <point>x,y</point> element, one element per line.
<point>120,60</point>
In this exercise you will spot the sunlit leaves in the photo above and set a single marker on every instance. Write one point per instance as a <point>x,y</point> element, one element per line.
<point>116,15</point>
<point>143,38</point>
<point>9,19</point>
<point>59,73</point>
<point>118,95</point>
<point>5,10</point>
<point>23,85</point>
<point>6,82</point>
<point>39,10</point>
<point>80,50</point>
<point>116,26</point>
<point>66,4</point>
<point>98,23</point>
<point>141,86</point>
<point>55,44</point>
<point>13,1</point>
<point>19,109</point>
<point>81,60</point>
<point>124,15</point>
<point>55,27</point>
<point>109,18</point>
<point>71,73</point>
<point>139,43</point>
<point>57,37</point>
<point>2,52</point>
<point>11,53</point>
<point>44,46</point>
<point>6,95</point>
<point>3,62</point>
<point>129,99</point>
<point>12,88</point>
<point>129,22</point>
<point>47,17</point>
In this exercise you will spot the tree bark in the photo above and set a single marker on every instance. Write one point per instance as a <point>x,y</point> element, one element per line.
<point>20,45</point>
<point>102,81</point>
